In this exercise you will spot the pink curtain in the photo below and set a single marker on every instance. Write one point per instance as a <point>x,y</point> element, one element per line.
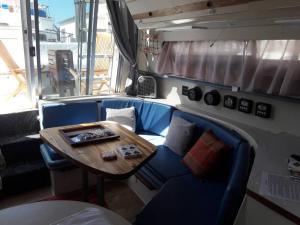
<point>268,66</point>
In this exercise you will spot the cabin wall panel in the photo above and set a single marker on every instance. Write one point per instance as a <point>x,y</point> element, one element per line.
<point>285,114</point>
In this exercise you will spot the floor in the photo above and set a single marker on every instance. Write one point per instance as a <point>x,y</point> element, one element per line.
<point>118,196</point>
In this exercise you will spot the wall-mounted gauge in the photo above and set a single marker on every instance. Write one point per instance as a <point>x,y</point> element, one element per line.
<point>245,105</point>
<point>230,101</point>
<point>194,94</point>
<point>263,110</point>
<point>212,98</point>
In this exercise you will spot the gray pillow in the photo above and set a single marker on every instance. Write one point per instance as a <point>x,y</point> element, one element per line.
<point>180,135</point>
<point>124,116</point>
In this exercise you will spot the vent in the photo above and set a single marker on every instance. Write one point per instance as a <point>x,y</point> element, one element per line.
<point>147,87</point>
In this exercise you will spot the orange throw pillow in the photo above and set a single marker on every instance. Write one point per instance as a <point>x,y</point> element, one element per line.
<point>204,156</point>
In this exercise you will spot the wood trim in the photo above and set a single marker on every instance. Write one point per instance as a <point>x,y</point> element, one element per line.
<point>288,215</point>
<point>191,7</point>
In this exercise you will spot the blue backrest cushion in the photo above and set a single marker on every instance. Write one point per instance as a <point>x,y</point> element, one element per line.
<point>156,118</point>
<point>239,162</point>
<point>229,137</point>
<point>237,184</point>
<point>119,104</point>
<point>61,114</point>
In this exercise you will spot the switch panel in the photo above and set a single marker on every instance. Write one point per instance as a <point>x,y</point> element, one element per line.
<point>245,105</point>
<point>263,110</point>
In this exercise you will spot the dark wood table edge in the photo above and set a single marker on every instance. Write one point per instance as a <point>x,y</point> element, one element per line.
<point>271,205</point>
<point>100,174</point>
<point>95,171</point>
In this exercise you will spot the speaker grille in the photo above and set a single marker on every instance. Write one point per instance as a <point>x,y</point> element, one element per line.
<point>147,87</point>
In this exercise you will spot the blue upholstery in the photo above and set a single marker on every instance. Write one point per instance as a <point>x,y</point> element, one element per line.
<point>163,166</point>
<point>236,187</point>
<point>156,118</point>
<point>152,138</point>
<point>119,104</point>
<point>60,114</point>
<point>53,160</point>
<point>224,134</point>
<point>213,201</point>
<point>150,116</point>
<point>184,200</point>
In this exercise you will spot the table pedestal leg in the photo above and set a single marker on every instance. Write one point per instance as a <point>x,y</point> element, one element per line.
<point>85,185</point>
<point>100,190</point>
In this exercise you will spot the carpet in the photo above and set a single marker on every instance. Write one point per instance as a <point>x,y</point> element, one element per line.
<point>118,198</point>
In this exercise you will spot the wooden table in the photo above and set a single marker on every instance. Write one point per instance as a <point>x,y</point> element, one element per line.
<point>89,158</point>
<point>52,212</point>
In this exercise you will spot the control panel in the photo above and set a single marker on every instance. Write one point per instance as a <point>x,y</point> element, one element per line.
<point>245,105</point>
<point>263,110</point>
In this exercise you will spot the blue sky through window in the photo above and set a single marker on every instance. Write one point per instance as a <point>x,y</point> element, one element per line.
<point>60,9</point>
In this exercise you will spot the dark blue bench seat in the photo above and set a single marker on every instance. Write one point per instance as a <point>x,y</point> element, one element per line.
<point>61,114</point>
<point>185,199</point>
<point>182,198</point>
<point>162,167</point>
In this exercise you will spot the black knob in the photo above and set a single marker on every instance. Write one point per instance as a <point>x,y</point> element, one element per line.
<point>212,98</point>
<point>195,94</point>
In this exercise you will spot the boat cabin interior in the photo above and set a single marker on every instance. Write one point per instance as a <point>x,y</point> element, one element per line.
<point>148,112</point>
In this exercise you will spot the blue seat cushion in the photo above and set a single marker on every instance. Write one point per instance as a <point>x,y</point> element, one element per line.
<point>152,138</point>
<point>156,118</point>
<point>53,160</point>
<point>164,165</point>
<point>60,114</point>
<point>119,104</point>
<point>184,200</point>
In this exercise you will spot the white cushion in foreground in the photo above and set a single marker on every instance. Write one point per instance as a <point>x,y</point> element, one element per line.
<point>124,116</point>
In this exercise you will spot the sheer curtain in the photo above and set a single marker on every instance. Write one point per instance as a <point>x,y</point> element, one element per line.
<point>267,66</point>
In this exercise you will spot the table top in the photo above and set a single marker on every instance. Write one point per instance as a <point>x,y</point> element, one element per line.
<point>89,156</point>
<point>50,212</point>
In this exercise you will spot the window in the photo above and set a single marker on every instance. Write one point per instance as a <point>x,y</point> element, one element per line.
<point>72,56</point>
<point>13,83</point>
<point>69,64</point>
<point>265,66</point>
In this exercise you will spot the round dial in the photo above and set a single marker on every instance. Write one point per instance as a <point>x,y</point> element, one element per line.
<point>195,94</point>
<point>212,98</point>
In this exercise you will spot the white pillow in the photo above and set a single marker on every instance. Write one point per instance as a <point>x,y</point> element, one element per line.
<point>124,116</point>
<point>180,135</point>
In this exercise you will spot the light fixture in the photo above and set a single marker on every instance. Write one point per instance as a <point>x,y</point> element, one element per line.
<point>182,21</point>
<point>174,28</point>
